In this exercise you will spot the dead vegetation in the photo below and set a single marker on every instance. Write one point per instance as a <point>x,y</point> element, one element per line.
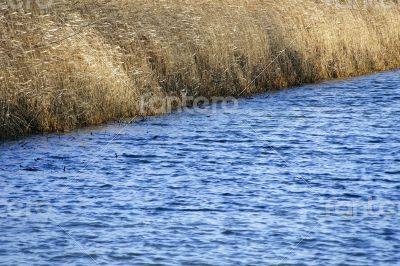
<point>78,63</point>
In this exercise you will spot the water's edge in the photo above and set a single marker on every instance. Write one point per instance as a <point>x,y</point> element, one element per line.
<point>135,119</point>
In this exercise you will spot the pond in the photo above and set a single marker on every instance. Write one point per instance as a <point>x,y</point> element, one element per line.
<point>304,176</point>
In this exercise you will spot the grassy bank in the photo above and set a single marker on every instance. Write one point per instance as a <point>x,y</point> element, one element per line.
<point>77,63</point>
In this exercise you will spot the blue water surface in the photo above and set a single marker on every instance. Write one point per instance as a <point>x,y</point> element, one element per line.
<point>304,176</point>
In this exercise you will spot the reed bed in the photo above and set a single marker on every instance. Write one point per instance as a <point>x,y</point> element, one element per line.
<point>76,63</point>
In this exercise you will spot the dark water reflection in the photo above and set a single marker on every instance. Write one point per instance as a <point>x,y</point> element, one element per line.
<point>307,176</point>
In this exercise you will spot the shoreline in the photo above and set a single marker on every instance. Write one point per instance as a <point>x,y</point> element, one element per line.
<point>89,129</point>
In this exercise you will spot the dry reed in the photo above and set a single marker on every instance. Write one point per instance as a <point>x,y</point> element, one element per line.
<point>85,62</point>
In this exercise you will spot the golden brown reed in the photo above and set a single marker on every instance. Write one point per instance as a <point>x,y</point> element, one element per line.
<point>85,62</point>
